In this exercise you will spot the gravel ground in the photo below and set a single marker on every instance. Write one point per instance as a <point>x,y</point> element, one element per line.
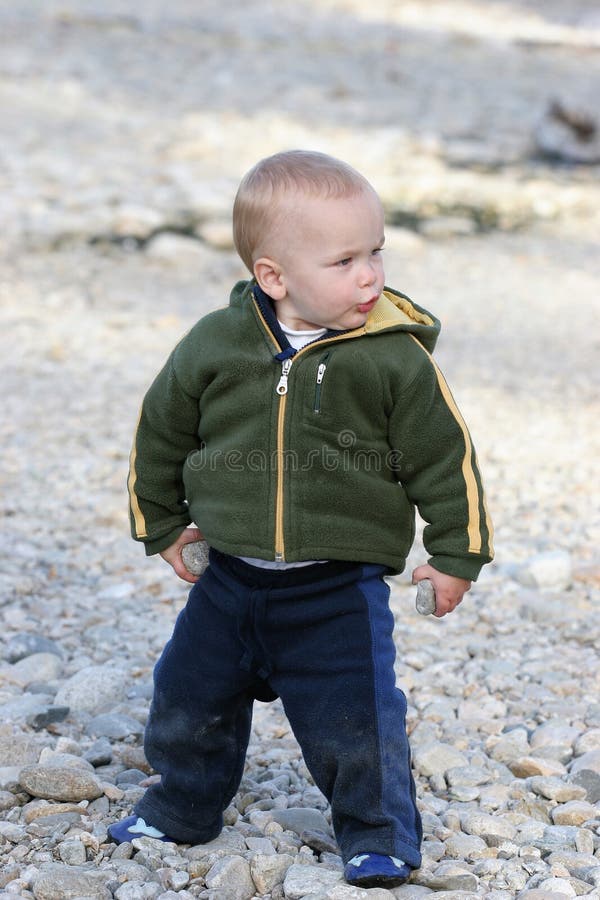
<point>124,135</point>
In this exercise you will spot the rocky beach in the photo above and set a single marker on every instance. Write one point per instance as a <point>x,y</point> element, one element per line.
<point>124,132</point>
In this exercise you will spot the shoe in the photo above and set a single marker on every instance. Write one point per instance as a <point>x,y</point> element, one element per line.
<point>374,870</point>
<point>134,827</point>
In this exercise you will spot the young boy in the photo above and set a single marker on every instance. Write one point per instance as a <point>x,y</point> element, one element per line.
<point>299,428</point>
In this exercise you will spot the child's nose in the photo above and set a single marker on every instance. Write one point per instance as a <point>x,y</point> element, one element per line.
<point>368,275</point>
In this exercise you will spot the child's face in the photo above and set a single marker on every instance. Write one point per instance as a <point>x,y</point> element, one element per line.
<point>331,269</point>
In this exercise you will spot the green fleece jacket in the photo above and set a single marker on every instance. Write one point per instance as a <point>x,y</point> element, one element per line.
<point>321,453</point>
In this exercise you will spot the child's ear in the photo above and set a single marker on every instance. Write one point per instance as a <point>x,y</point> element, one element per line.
<point>268,275</point>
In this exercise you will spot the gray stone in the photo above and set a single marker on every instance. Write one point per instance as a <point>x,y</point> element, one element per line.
<point>133,890</point>
<point>26,644</point>
<point>20,708</point>
<point>11,832</point>
<point>574,812</point>
<point>58,882</point>
<point>586,742</point>
<point>195,556</point>
<point>268,870</point>
<point>7,800</point>
<point>9,778</point>
<point>47,715</point>
<point>17,747</point>
<point>554,734</point>
<point>301,819</point>
<point>556,789</point>
<point>528,766</point>
<point>589,760</point>
<point>550,569</point>
<point>319,841</point>
<point>493,829</point>
<point>449,876</point>
<point>302,880</point>
<point>92,689</point>
<point>559,133</point>
<point>436,758</point>
<point>542,894</point>
<point>411,892</point>
<point>510,746</point>
<point>230,879</point>
<point>131,776</point>
<point>115,726</point>
<point>203,856</point>
<point>467,775</point>
<point>262,845</point>
<point>49,757</point>
<point>464,846</point>
<point>557,837</point>
<point>557,886</point>
<point>37,667</point>
<point>578,864</point>
<point>100,753</point>
<point>72,853</point>
<point>59,783</point>
<point>590,782</point>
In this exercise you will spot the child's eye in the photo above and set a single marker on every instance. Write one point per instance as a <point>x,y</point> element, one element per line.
<point>377,250</point>
<point>345,262</point>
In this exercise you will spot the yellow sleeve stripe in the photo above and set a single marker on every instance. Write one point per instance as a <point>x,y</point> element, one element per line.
<point>138,515</point>
<point>474,523</point>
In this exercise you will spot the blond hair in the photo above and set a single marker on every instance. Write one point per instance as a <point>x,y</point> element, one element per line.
<point>258,206</point>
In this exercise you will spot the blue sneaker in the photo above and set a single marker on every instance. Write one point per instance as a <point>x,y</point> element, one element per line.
<point>134,827</point>
<point>374,870</point>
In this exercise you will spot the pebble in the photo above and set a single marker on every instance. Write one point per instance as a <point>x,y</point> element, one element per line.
<point>589,781</point>
<point>300,881</point>
<point>589,761</point>
<point>556,789</point>
<point>269,870</point>
<point>26,644</point>
<point>115,726</point>
<point>102,276</point>
<point>450,876</point>
<point>575,812</point>
<point>55,882</point>
<point>301,819</point>
<point>436,758</point>
<point>92,688</point>
<point>230,878</point>
<point>551,569</point>
<point>62,783</point>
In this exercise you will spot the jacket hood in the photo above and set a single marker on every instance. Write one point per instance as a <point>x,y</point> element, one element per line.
<point>393,311</point>
<point>397,312</point>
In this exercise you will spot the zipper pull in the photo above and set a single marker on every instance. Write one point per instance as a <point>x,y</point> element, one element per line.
<point>282,384</point>
<point>321,372</point>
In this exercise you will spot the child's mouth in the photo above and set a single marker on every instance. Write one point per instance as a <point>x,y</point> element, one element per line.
<point>368,306</point>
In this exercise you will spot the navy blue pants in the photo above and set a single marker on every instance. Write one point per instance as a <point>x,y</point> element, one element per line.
<point>319,637</point>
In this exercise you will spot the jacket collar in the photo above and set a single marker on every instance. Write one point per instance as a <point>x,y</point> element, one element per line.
<point>267,309</point>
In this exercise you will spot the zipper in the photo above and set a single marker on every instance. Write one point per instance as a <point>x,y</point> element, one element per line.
<point>282,384</point>
<point>281,389</point>
<point>322,368</point>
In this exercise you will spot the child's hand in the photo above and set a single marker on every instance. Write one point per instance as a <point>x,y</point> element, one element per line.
<point>449,590</point>
<point>172,554</point>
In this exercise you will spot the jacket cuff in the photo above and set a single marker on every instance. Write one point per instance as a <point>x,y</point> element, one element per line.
<point>458,566</point>
<point>161,543</point>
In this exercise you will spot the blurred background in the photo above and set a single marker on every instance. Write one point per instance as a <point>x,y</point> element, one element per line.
<point>125,129</point>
